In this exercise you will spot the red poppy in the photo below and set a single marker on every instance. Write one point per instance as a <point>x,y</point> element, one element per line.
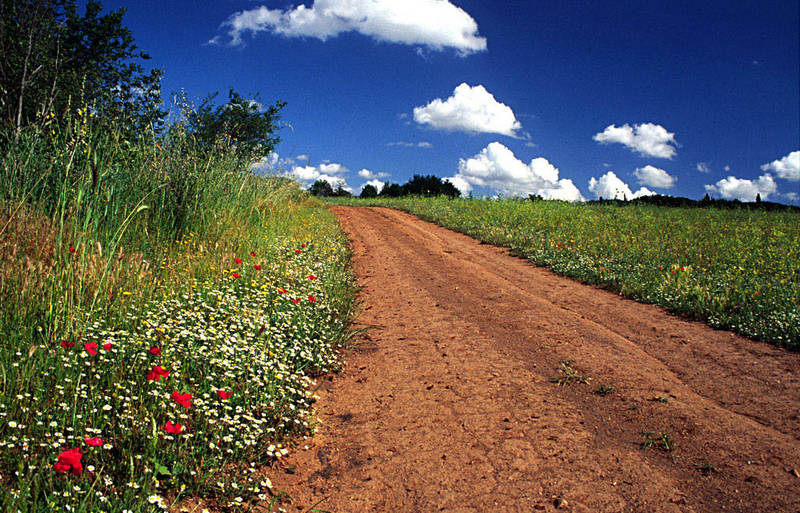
<point>67,343</point>
<point>660,267</point>
<point>295,300</point>
<point>155,350</point>
<point>223,394</point>
<point>184,400</point>
<point>69,460</point>
<point>237,260</point>
<point>107,346</point>
<point>683,268</point>
<point>252,253</point>
<point>298,251</point>
<point>312,277</point>
<point>281,290</point>
<point>91,348</point>
<point>312,298</point>
<point>94,441</point>
<point>175,429</point>
<point>71,249</point>
<point>303,245</point>
<point>257,267</point>
<point>157,372</point>
<point>236,275</point>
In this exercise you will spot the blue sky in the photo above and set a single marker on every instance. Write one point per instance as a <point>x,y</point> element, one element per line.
<point>568,99</point>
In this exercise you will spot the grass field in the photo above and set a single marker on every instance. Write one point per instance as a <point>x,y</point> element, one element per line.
<point>735,269</point>
<point>164,315</point>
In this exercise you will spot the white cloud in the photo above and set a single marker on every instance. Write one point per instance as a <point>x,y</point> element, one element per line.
<point>307,175</point>
<point>609,186</point>
<point>787,168</point>
<point>496,167</point>
<point>703,167</point>
<point>469,109</point>
<point>366,173</point>
<point>434,24</point>
<point>265,164</point>
<point>460,183</point>
<point>648,139</point>
<point>375,183</point>
<point>744,189</point>
<point>405,144</point>
<point>655,177</point>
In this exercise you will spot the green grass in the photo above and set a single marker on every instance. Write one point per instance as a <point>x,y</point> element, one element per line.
<point>119,264</point>
<point>735,269</point>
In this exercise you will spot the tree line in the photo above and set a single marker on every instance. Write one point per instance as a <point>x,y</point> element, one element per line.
<point>418,185</point>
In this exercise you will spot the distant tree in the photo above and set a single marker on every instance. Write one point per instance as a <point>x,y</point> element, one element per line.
<point>53,59</point>
<point>391,190</point>
<point>429,186</point>
<point>758,197</point>
<point>239,123</point>
<point>321,188</point>
<point>341,192</point>
<point>369,191</point>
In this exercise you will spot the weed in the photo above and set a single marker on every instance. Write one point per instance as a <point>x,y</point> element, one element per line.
<point>706,467</point>
<point>569,376</point>
<point>657,440</point>
<point>660,399</point>
<point>604,390</point>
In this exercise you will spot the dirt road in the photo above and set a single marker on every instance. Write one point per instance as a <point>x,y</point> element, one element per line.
<point>449,404</point>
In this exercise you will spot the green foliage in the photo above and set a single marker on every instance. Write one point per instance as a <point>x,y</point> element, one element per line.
<point>321,188</point>
<point>324,189</point>
<point>430,186</point>
<point>369,191</point>
<point>104,240</point>
<point>734,268</point>
<point>240,124</point>
<point>53,60</point>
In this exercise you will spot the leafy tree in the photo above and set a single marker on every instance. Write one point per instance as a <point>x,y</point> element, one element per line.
<point>321,188</point>
<point>240,123</point>
<point>430,185</point>
<point>369,191</point>
<point>391,190</point>
<point>53,59</point>
<point>341,192</point>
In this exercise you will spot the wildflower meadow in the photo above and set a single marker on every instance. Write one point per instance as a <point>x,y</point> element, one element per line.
<point>165,314</point>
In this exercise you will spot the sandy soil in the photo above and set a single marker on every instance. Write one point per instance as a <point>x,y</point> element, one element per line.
<point>448,403</point>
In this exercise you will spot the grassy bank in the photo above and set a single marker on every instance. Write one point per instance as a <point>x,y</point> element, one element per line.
<point>164,315</point>
<point>735,269</point>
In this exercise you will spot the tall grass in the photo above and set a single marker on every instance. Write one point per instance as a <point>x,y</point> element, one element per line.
<point>131,273</point>
<point>735,269</point>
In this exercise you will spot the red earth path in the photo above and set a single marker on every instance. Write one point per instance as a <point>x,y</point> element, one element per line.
<point>448,402</point>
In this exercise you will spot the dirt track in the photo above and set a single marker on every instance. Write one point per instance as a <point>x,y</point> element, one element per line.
<point>448,404</point>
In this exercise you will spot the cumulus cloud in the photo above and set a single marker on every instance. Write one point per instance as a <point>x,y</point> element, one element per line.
<point>375,183</point>
<point>496,167</point>
<point>744,189</point>
<point>703,167</point>
<point>469,109</point>
<point>647,139</point>
<point>610,186</point>
<point>405,144</point>
<point>366,173</point>
<point>655,177</point>
<point>787,168</point>
<point>433,24</point>
<point>307,175</point>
